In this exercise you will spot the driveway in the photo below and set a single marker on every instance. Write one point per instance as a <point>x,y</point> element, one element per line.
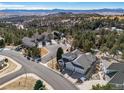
<point>52,51</point>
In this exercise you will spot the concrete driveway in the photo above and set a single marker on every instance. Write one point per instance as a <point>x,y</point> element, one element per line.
<point>52,49</point>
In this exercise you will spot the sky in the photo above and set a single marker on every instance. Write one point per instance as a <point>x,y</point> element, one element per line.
<point>61,5</point>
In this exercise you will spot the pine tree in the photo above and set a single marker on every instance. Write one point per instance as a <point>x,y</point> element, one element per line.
<point>39,85</point>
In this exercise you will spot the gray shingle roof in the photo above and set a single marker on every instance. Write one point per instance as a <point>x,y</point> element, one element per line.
<point>85,61</point>
<point>70,56</point>
<point>77,52</point>
<point>79,63</point>
<point>116,67</point>
<point>28,42</point>
<point>118,78</point>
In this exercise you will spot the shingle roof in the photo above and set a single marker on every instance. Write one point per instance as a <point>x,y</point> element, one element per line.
<point>77,52</point>
<point>28,42</point>
<point>44,36</point>
<point>116,66</point>
<point>118,78</point>
<point>85,61</point>
<point>81,62</point>
<point>70,56</point>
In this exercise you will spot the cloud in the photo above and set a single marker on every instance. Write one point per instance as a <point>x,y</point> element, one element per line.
<point>27,7</point>
<point>6,6</point>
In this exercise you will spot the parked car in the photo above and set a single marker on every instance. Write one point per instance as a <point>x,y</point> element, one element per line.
<point>28,57</point>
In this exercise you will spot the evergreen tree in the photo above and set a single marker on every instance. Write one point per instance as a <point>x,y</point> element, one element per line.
<point>59,53</point>
<point>2,43</point>
<point>39,85</point>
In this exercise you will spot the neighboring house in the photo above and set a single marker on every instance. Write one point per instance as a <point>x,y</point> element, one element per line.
<point>116,72</point>
<point>28,42</point>
<point>78,65</point>
<point>2,61</point>
<point>33,41</point>
<point>19,26</point>
<point>57,35</point>
<point>44,38</point>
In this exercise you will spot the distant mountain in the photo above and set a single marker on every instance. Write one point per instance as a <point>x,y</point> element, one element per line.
<point>104,11</point>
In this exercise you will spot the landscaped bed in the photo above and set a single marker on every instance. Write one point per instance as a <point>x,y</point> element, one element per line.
<point>43,51</point>
<point>10,67</point>
<point>53,64</point>
<point>4,67</point>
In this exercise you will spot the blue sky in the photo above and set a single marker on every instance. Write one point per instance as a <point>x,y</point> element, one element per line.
<point>60,5</point>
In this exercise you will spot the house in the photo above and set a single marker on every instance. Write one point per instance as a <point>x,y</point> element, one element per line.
<point>28,42</point>
<point>19,26</point>
<point>33,41</point>
<point>40,39</point>
<point>58,35</point>
<point>2,61</point>
<point>116,73</point>
<point>78,65</point>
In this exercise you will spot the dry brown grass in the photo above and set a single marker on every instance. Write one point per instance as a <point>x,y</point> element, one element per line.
<point>23,83</point>
<point>43,51</point>
<point>10,68</point>
<point>53,64</point>
<point>105,17</point>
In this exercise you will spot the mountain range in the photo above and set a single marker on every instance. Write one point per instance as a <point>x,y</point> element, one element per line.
<point>104,11</point>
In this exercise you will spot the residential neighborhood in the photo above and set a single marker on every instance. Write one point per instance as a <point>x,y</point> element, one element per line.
<point>62,49</point>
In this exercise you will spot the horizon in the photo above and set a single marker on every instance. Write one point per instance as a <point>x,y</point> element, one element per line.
<point>60,5</point>
<point>66,9</point>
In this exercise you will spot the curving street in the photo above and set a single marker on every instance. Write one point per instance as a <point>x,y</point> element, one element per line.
<point>55,80</point>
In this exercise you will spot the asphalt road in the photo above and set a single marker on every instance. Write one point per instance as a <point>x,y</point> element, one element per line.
<point>54,79</point>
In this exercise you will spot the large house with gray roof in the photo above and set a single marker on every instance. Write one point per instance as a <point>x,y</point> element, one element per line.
<point>33,41</point>
<point>78,65</point>
<point>44,38</point>
<point>116,73</point>
<point>28,42</point>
